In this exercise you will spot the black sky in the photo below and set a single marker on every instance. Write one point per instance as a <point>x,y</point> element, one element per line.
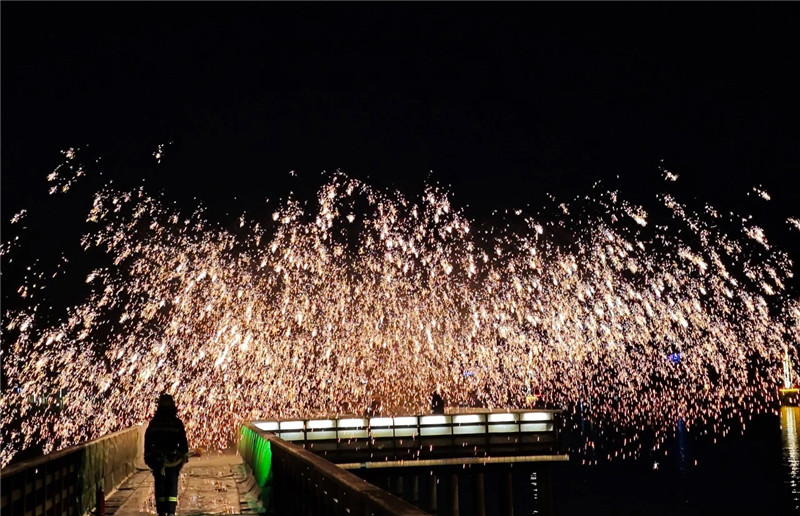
<point>502,101</point>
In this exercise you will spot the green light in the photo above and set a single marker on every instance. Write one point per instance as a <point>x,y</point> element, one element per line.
<point>256,451</point>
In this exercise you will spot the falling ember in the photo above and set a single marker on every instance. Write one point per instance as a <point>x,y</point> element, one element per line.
<point>669,176</point>
<point>328,310</point>
<point>762,193</point>
<point>19,216</point>
<point>158,154</point>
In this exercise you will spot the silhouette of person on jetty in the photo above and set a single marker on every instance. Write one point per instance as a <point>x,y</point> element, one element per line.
<point>437,403</point>
<point>165,452</point>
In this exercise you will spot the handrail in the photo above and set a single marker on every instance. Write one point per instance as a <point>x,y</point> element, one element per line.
<point>14,468</point>
<point>66,481</point>
<point>309,484</point>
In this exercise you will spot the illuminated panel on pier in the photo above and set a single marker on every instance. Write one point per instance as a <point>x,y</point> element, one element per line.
<point>320,429</point>
<point>502,418</point>
<point>291,425</point>
<point>352,428</point>
<point>465,419</point>
<point>351,423</point>
<point>503,423</point>
<point>409,426</point>
<point>435,425</point>
<point>536,416</point>
<point>469,430</point>
<point>381,421</point>
<point>267,426</point>
<point>316,424</point>
<point>536,427</point>
<point>406,426</point>
<point>292,430</point>
<point>381,427</point>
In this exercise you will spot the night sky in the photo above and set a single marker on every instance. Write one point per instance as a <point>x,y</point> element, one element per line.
<point>501,103</point>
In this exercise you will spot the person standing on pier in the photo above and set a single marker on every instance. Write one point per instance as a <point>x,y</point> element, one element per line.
<point>165,451</point>
<point>437,402</point>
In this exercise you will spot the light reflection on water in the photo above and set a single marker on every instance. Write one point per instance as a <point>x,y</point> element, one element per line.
<point>790,417</point>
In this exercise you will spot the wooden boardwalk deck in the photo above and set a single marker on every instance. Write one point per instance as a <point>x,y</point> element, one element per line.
<point>215,483</point>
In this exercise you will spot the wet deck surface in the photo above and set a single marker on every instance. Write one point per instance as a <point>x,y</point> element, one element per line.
<point>215,483</point>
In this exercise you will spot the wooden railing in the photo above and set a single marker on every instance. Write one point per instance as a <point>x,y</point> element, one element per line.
<point>296,481</point>
<point>66,482</point>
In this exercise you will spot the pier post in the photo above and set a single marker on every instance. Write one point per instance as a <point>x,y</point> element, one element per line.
<point>100,502</point>
<point>479,494</point>
<point>507,496</point>
<point>413,489</point>
<point>397,485</point>
<point>433,503</point>
<point>454,494</point>
<point>546,504</point>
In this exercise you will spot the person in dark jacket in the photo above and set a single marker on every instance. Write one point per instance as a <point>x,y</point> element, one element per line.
<point>165,452</point>
<point>437,403</point>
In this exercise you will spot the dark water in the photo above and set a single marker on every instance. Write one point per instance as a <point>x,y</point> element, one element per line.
<point>753,472</point>
<point>756,472</point>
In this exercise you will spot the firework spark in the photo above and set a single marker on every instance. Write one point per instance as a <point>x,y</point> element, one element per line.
<point>337,306</point>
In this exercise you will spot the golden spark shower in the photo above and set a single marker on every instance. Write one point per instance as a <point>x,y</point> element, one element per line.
<point>363,296</point>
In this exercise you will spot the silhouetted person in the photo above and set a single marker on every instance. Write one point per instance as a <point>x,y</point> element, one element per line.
<point>165,452</point>
<point>437,403</point>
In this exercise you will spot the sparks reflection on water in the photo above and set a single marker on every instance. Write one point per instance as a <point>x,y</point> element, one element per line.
<point>790,418</point>
<point>372,296</point>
